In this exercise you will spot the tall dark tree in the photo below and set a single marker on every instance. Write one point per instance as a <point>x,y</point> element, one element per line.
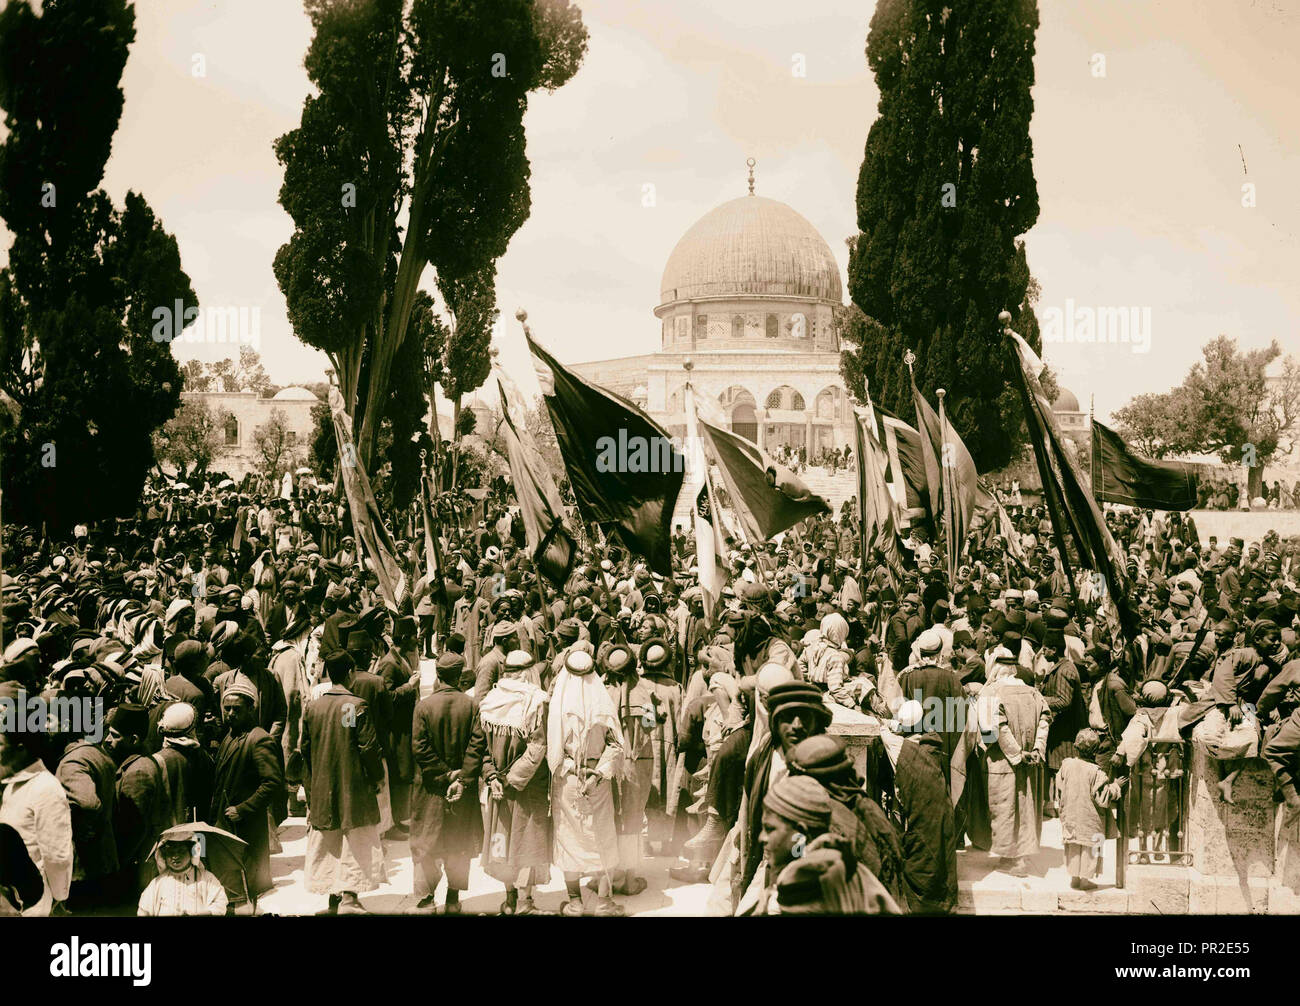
<point>419,111</point>
<point>945,190</point>
<point>471,303</point>
<point>81,296</point>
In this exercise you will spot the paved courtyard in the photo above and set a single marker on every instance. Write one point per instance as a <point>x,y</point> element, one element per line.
<point>984,889</point>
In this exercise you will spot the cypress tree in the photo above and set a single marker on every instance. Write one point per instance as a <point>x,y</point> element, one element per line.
<point>945,191</point>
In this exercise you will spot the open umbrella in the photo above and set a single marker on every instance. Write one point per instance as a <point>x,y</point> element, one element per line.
<point>303,471</point>
<point>180,485</point>
<point>224,483</point>
<point>221,851</point>
<point>21,883</point>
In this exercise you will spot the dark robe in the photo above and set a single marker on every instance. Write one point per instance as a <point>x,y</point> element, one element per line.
<point>89,777</point>
<point>757,772</point>
<point>1064,694</point>
<point>442,727</point>
<point>916,791</point>
<point>249,777</point>
<point>185,784</point>
<point>343,759</point>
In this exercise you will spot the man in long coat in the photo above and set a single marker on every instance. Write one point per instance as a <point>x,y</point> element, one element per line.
<point>248,785</point>
<point>344,762</point>
<point>508,750</point>
<point>399,670</point>
<point>445,832</point>
<point>89,777</point>
<point>1015,722</point>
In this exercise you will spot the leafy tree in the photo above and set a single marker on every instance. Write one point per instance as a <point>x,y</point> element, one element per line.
<point>231,375</point>
<point>945,190</point>
<point>417,115</point>
<point>324,450</point>
<point>191,439</point>
<point>1227,405</point>
<point>196,376</point>
<point>275,448</point>
<point>85,279</point>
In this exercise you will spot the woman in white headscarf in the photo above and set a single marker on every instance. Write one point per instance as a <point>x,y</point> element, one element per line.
<point>829,662</point>
<point>584,751</point>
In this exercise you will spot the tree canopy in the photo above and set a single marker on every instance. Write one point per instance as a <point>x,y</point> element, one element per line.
<point>78,354</point>
<point>417,114</point>
<point>1227,405</point>
<point>945,190</point>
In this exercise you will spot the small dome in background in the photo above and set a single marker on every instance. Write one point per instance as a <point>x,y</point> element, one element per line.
<point>1065,401</point>
<point>293,395</point>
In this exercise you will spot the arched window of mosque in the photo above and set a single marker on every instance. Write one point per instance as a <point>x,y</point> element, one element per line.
<point>737,327</point>
<point>827,404</point>
<point>232,430</point>
<point>771,326</point>
<point>798,326</point>
<point>796,402</point>
<point>773,400</point>
<point>701,326</point>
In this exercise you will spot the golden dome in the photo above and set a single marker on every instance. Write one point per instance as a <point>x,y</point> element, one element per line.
<point>753,247</point>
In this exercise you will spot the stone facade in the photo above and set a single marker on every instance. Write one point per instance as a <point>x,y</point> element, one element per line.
<point>245,412</point>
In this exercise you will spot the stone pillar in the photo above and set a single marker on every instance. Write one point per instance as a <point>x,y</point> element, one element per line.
<point>808,436</point>
<point>1230,839</point>
<point>762,428</point>
<point>856,729</point>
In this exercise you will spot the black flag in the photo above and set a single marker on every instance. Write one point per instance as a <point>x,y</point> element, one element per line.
<point>1074,512</point>
<point>1122,475</point>
<point>624,469</point>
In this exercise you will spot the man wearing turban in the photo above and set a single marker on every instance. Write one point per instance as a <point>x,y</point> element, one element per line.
<point>808,868</point>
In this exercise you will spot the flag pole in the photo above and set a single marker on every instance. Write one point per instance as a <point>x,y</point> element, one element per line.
<point>945,473</point>
<point>1044,467</point>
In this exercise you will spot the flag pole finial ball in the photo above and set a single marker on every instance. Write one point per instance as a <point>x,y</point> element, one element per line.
<point>1004,317</point>
<point>688,364</point>
<point>940,392</point>
<point>522,315</point>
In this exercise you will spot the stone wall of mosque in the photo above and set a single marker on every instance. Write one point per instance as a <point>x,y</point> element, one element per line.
<point>773,396</point>
<point>796,324</point>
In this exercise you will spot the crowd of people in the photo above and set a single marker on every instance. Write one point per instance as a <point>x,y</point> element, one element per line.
<point>1223,494</point>
<point>223,661</point>
<point>799,460</point>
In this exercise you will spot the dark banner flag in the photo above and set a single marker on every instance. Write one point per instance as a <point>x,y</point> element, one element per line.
<point>767,497</point>
<point>927,423</point>
<point>905,462</point>
<point>1073,510</point>
<point>876,526</point>
<point>1122,475</point>
<point>625,471</point>
<point>540,505</point>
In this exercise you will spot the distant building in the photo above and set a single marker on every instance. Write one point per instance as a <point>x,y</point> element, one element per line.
<point>245,413</point>
<point>1072,420</point>
<point>748,295</point>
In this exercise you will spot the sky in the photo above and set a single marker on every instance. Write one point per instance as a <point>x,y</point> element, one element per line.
<point>1140,171</point>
